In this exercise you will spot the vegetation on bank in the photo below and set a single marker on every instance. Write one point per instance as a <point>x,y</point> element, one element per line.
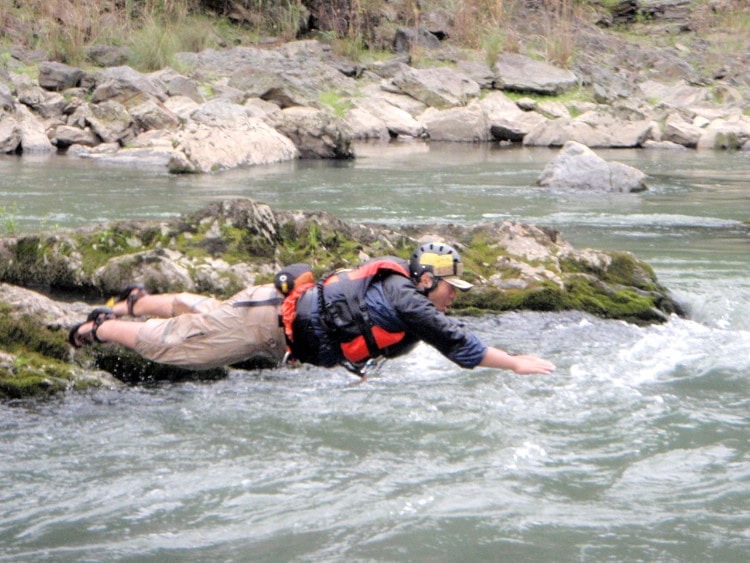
<point>154,30</point>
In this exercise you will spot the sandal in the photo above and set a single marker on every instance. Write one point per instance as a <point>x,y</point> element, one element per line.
<point>130,295</point>
<point>98,315</point>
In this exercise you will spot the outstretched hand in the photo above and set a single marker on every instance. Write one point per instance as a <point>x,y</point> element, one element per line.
<point>527,365</point>
<point>522,364</point>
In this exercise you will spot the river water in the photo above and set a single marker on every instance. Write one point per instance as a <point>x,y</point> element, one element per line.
<point>635,449</point>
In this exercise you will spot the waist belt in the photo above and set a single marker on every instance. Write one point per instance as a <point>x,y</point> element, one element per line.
<point>259,303</point>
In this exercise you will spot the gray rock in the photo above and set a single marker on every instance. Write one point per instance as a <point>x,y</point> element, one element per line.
<point>106,55</point>
<point>440,88</point>
<point>679,131</point>
<point>58,76</point>
<point>664,145</point>
<point>523,74</point>
<point>463,124</point>
<point>365,125</point>
<point>158,269</point>
<point>220,135</point>
<point>152,114</point>
<point>66,135</point>
<point>7,101</point>
<point>124,84</point>
<point>723,134</point>
<point>33,136</point>
<point>316,133</point>
<point>479,71</point>
<point>397,120</point>
<point>578,167</point>
<point>557,132</point>
<point>10,132</point>
<point>406,39</point>
<point>111,121</point>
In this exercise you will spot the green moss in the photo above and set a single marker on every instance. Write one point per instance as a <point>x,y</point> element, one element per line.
<point>578,94</point>
<point>26,334</point>
<point>481,261</point>
<point>40,357</point>
<point>19,385</point>
<point>324,247</point>
<point>591,296</point>
<point>546,297</point>
<point>624,269</point>
<point>34,375</point>
<point>580,293</point>
<point>336,102</point>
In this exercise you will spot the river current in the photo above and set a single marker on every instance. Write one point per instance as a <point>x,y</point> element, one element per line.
<point>636,449</point>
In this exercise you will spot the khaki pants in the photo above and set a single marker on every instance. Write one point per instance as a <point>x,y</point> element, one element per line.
<point>206,333</point>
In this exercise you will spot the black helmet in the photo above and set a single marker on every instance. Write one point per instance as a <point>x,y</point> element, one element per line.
<point>442,261</point>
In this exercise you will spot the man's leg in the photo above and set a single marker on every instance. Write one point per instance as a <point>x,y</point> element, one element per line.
<point>166,305</point>
<point>246,326</point>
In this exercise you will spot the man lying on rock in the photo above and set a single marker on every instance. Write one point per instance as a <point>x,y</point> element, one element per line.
<point>352,318</point>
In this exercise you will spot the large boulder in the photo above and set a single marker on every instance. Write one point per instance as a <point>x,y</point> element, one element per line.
<point>365,125</point>
<point>680,131</point>
<point>680,94</point>
<point>578,167</point>
<point>127,86</point>
<point>294,74</point>
<point>10,132</point>
<point>406,39</point>
<point>33,135</point>
<point>523,74</point>
<point>726,134</point>
<point>65,136</point>
<point>222,135</point>
<point>58,76</point>
<point>111,121</point>
<point>231,244</point>
<point>440,88</point>
<point>464,124</point>
<point>592,130</point>
<point>316,133</point>
<point>152,114</point>
<point>398,120</point>
<point>507,121</point>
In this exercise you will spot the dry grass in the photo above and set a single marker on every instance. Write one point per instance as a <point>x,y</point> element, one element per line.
<point>727,25</point>
<point>156,29</point>
<point>153,29</point>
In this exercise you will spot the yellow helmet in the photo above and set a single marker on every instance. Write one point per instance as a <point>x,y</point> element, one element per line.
<point>442,261</point>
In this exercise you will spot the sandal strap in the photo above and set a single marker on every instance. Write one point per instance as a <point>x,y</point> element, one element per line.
<point>99,315</point>
<point>131,294</point>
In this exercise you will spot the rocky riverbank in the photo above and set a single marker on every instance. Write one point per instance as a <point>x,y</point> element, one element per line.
<point>248,105</point>
<point>231,244</point>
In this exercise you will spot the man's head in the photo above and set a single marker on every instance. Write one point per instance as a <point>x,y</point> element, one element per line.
<point>436,261</point>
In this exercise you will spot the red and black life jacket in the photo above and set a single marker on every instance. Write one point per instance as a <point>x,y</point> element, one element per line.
<point>344,313</point>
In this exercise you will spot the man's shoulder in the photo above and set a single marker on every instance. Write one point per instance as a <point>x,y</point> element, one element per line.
<point>387,261</point>
<point>398,281</point>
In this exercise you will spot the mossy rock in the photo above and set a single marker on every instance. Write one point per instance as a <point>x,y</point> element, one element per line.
<point>612,285</point>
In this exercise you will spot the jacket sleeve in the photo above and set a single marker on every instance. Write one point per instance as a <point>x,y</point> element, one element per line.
<point>422,319</point>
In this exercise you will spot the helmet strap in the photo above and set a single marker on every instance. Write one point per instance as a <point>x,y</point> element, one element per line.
<point>434,283</point>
